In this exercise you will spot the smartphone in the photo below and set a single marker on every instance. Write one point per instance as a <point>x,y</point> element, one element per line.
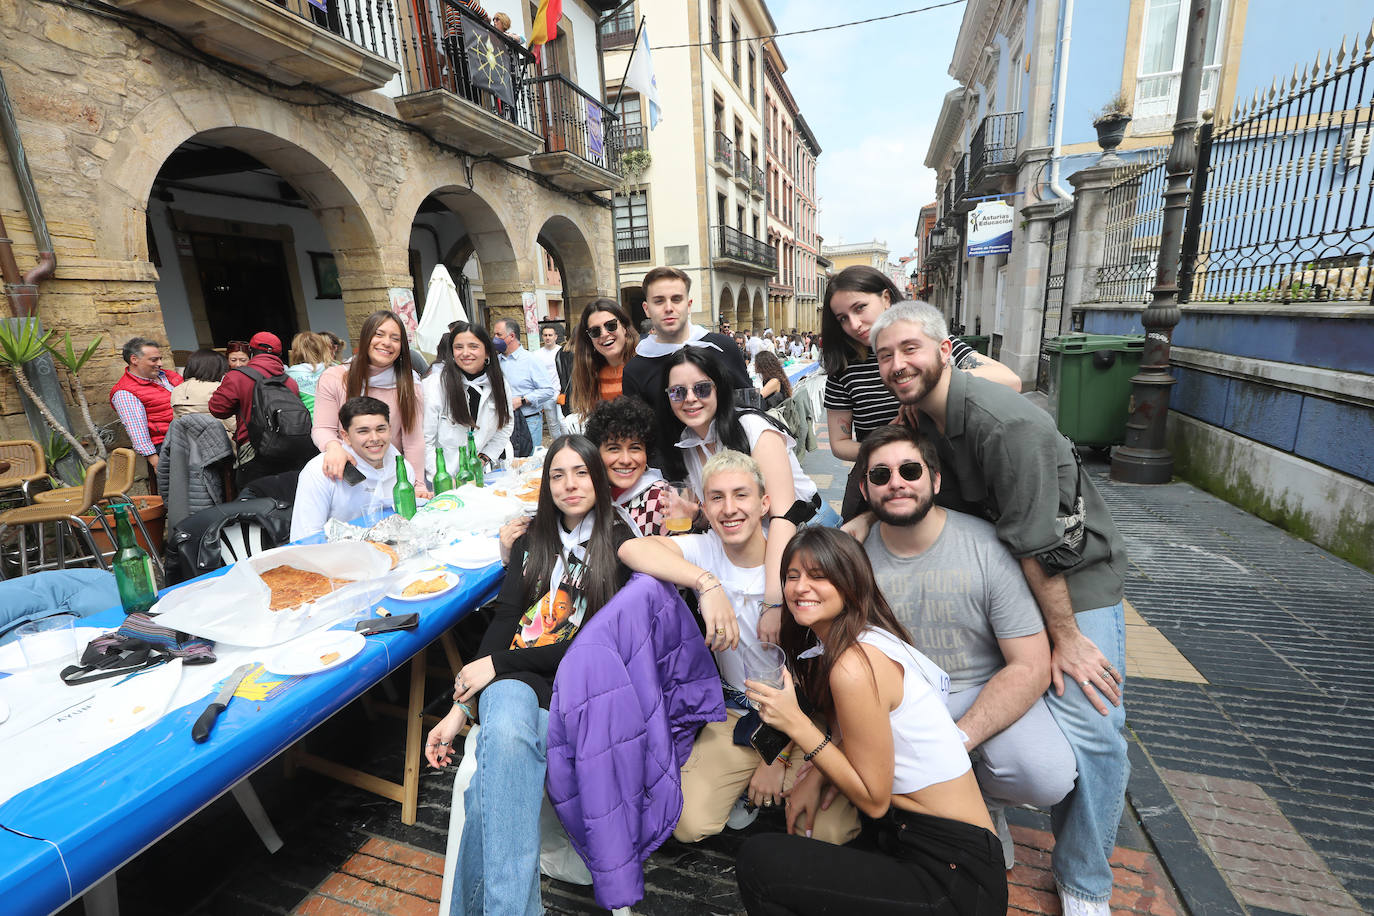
<point>375,625</point>
<point>769,742</point>
<point>352,476</point>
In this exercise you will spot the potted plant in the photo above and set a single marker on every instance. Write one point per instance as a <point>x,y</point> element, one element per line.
<point>633,164</point>
<point>1111,122</point>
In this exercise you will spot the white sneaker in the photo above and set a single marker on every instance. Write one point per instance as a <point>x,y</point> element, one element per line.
<point>741,815</point>
<point>1077,906</point>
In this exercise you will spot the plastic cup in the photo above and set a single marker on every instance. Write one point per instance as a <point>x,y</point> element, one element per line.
<point>764,662</point>
<point>52,639</point>
<point>681,508</point>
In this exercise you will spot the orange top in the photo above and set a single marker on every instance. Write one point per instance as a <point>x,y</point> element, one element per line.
<point>609,381</point>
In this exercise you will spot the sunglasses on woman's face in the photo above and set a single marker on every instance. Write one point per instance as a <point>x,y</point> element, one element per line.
<point>880,474</point>
<point>610,327</point>
<point>237,345</point>
<point>678,393</point>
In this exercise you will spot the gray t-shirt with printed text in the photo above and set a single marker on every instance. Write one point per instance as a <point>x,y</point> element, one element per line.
<point>958,598</point>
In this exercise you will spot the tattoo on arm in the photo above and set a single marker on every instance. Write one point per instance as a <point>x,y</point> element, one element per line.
<point>844,427</point>
<point>972,362</point>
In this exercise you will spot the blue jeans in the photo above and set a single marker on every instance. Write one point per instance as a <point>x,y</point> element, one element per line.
<point>498,859</point>
<point>535,422</point>
<point>553,416</point>
<point>1085,822</point>
<point>826,516</point>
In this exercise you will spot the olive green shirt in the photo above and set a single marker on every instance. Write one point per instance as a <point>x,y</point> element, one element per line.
<point>1002,458</point>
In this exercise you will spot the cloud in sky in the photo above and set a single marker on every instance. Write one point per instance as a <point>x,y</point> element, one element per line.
<point>871,94</point>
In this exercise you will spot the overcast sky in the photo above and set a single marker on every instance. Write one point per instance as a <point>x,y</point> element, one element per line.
<point>871,94</point>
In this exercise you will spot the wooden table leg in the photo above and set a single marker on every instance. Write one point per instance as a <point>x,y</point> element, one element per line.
<point>410,801</point>
<point>455,659</point>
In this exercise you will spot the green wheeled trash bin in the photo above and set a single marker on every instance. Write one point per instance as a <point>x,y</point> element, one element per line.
<point>978,342</point>
<point>1090,385</point>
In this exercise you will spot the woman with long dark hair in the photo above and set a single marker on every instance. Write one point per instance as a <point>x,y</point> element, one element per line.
<point>776,386</point>
<point>563,570</point>
<point>469,392</point>
<point>902,760</point>
<point>699,418</point>
<point>603,343</point>
<point>380,369</point>
<point>856,400</point>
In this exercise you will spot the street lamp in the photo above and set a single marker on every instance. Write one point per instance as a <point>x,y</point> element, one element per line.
<point>1144,458</point>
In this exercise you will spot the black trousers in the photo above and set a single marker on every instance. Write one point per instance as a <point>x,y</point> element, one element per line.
<point>923,865</point>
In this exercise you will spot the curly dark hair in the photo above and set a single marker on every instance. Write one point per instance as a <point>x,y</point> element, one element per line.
<point>624,418</point>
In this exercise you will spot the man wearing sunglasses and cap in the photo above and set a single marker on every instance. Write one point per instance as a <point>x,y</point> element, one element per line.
<point>961,595</point>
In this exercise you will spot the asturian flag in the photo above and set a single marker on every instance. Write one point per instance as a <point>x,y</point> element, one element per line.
<point>640,76</point>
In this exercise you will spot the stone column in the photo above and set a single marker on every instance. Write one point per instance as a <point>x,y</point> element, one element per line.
<point>1025,292</point>
<point>1088,236</point>
<point>365,277</point>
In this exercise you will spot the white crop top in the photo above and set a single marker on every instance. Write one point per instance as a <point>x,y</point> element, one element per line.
<point>929,747</point>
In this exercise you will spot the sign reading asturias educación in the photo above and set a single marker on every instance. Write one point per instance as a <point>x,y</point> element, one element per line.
<point>989,229</point>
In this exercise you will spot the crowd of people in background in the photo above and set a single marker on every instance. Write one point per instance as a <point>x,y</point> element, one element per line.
<point>956,648</point>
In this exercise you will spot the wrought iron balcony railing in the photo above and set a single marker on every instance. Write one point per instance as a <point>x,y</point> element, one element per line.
<point>743,166</point>
<point>735,245</point>
<point>629,136</point>
<point>992,151</point>
<point>574,122</point>
<point>632,244</point>
<point>760,182</point>
<point>618,38</point>
<point>725,148</point>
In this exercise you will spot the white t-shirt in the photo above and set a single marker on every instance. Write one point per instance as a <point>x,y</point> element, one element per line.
<point>744,588</point>
<point>754,426</point>
<point>318,499</point>
<point>549,357</point>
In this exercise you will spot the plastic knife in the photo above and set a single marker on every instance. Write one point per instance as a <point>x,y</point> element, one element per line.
<point>201,730</point>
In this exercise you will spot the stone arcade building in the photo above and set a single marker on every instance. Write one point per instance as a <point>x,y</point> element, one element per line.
<point>208,169</point>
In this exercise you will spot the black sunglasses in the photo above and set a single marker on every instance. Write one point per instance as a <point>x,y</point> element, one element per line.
<point>610,327</point>
<point>881,474</point>
<point>678,393</point>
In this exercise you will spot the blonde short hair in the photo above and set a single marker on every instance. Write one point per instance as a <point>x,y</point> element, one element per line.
<point>729,460</point>
<point>498,19</point>
<point>312,348</point>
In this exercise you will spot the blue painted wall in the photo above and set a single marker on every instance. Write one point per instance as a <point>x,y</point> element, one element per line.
<point>1332,433</point>
<point>1097,51</point>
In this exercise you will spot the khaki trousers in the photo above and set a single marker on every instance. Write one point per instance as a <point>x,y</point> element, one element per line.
<point>718,773</point>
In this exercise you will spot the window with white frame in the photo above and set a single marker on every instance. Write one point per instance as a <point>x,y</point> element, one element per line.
<point>631,212</point>
<point>1161,62</point>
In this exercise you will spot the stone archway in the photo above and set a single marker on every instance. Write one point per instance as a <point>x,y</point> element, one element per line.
<point>568,245</point>
<point>299,150</point>
<point>727,307</point>
<point>760,316</point>
<point>477,229</point>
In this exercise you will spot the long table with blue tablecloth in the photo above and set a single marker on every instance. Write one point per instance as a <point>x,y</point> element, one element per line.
<point>801,369</point>
<point>63,836</point>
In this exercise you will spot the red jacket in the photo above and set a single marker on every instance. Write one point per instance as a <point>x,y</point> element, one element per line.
<point>234,398</point>
<point>156,400</point>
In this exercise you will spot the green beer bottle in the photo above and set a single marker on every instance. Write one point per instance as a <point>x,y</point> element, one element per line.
<point>132,566</point>
<point>443,480</point>
<point>403,493</point>
<point>474,461</point>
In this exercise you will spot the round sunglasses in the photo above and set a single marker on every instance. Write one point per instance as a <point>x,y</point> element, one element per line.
<point>678,393</point>
<point>879,475</point>
<point>610,326</point>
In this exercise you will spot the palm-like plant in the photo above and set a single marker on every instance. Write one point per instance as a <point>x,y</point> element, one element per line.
<point>23,345</point>
<point>73,362</point>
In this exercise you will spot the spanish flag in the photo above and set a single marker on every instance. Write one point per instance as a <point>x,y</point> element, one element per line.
<point>545,28</point>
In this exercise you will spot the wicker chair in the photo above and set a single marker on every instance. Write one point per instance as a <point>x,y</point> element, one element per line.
<point>26,466</point>
<point>65,516</point>
<point>118,482</point>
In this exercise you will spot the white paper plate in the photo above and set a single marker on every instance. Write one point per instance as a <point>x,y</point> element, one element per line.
<point>470,553</point>
<point>302,655</point>
<point>450,579</point>
<point>136,703</point>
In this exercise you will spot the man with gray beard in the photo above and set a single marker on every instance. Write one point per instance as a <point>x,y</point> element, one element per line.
<point>961,595</point>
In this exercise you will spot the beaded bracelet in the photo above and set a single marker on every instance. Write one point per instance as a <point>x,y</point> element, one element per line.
<point>819,748</point>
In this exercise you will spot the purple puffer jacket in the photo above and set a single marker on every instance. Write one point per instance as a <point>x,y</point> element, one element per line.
<point>636,685</point>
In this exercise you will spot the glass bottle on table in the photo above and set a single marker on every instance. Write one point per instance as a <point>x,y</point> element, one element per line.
<point>460,473</point>
<point>403,493</point>
<point>443,480</point>
<point>133,568</point>
<point>474,461</point>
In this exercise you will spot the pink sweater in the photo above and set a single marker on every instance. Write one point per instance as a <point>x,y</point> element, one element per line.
<point>330,394</point>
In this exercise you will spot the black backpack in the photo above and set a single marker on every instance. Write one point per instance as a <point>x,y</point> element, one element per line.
<point>279,425</point>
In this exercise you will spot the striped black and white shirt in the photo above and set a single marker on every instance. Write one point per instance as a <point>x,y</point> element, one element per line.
<point>860,390</point>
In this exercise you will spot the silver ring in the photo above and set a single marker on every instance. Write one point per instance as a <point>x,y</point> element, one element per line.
<point>1086,683</point>
<point>443,744</point>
